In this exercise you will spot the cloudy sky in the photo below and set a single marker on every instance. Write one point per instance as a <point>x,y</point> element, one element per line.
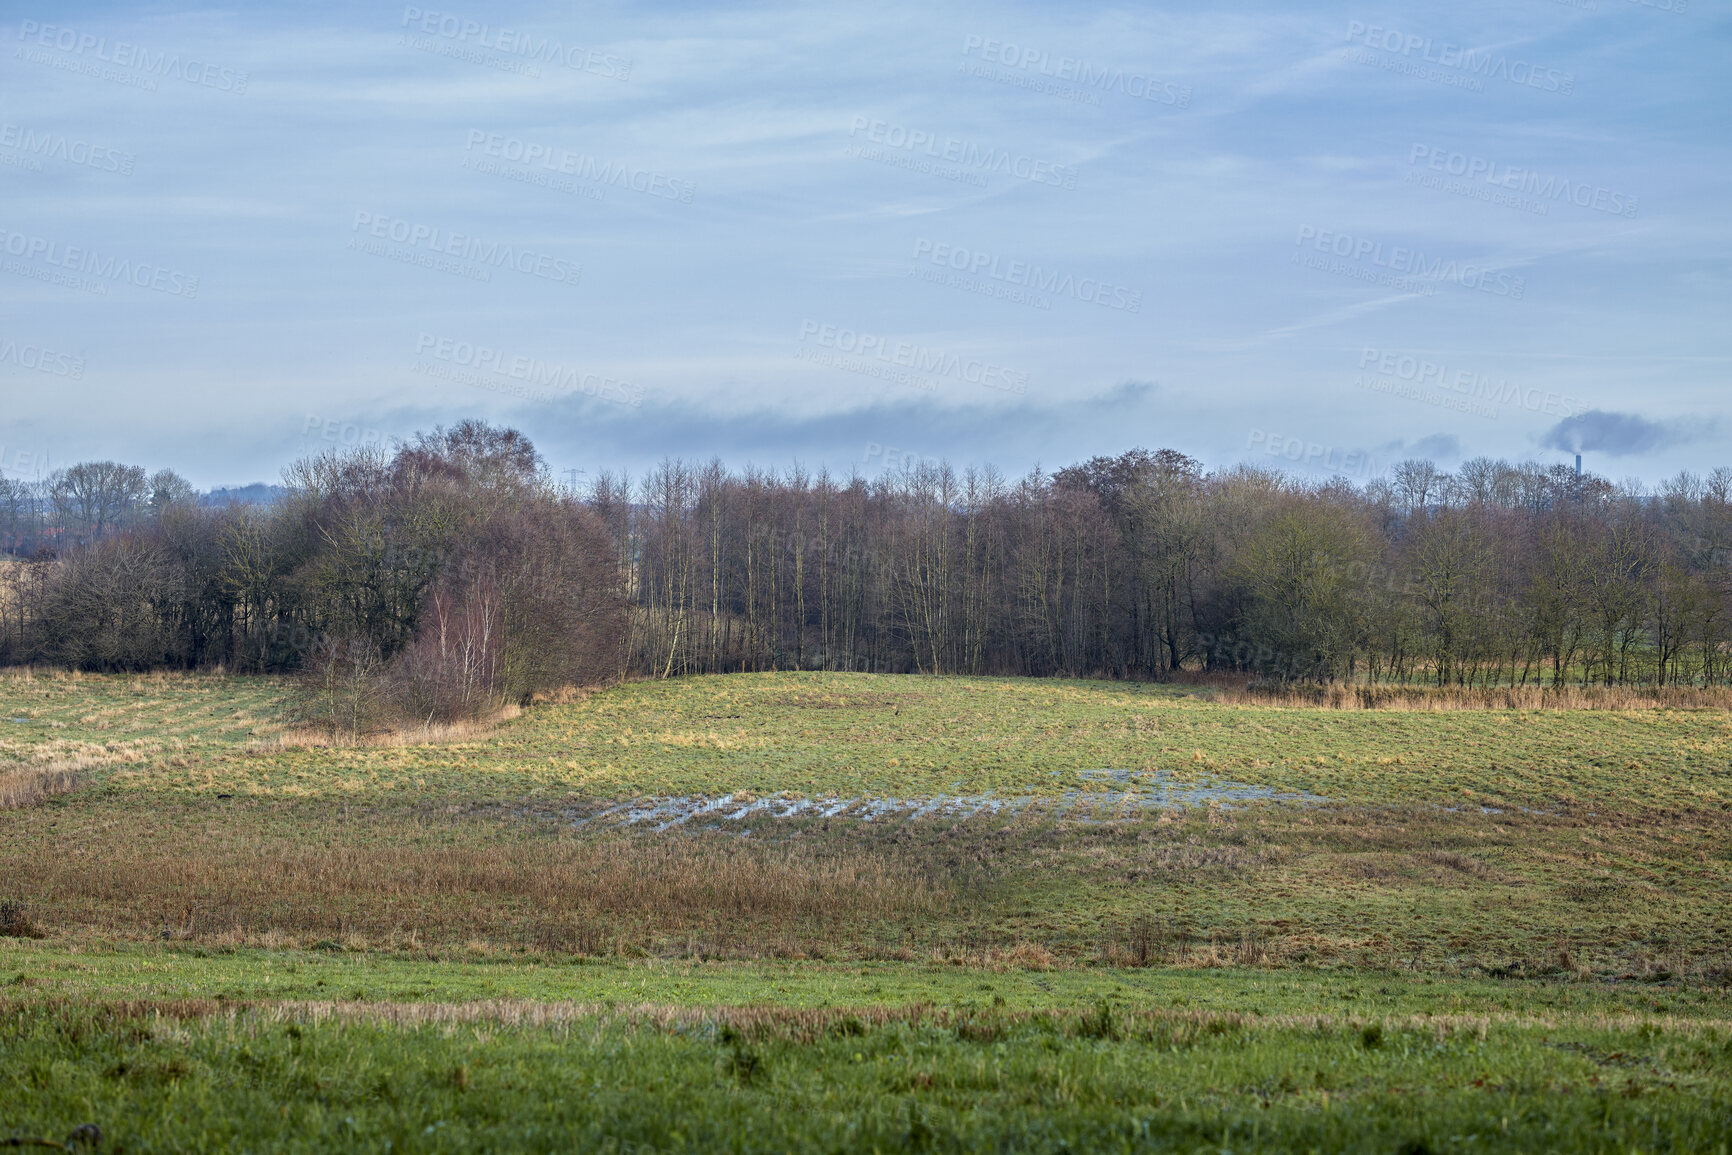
<point>1326,237</point>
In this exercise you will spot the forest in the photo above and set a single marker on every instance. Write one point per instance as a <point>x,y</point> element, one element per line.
<point>449,574</point>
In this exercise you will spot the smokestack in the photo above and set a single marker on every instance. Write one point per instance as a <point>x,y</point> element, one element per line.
<point>1578,465</point>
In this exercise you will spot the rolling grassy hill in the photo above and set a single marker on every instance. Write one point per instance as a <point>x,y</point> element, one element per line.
<point>844,911</point>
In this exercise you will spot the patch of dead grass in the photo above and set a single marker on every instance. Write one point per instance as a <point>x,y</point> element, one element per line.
<point>1337,696</point>
<point>588,896</point>
<point>29,785</point>
<point>1243,690</point>
<point>433,734</point>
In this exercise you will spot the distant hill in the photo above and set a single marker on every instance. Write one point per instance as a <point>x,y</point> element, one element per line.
<point>258,493</point>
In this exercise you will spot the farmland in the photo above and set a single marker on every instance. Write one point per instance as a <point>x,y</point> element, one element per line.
<point>840,910</point>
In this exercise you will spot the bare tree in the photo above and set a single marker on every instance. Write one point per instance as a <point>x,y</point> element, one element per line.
<point>1417,482</point>
<point>167,489</point>
<point>94,496</point>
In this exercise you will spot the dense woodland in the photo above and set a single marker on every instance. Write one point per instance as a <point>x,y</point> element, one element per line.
<point>454,564</point>
<point>1142,565</point>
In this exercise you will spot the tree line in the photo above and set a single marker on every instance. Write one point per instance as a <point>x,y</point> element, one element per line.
<point>1144,565</point>
<point>78,505</point>
<point>449,574</point>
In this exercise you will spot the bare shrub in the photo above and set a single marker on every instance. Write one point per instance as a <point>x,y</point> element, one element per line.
<point>530,606</point>
<point>15,921</point>
<point>344,693</point>
<point>103,608</point>
<point>454,667</point>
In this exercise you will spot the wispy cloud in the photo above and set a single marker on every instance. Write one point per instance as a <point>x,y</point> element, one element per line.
<point>699,300</point>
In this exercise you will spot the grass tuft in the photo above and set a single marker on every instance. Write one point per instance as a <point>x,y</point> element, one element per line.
<point>31,785</point>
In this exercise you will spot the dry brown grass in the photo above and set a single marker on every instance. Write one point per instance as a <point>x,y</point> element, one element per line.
<point>716,895</point>
<point>26,786</point>
<point>28,673</point>
<point>563,695</point>
<point>438,733</point>
<point>1356,696</point>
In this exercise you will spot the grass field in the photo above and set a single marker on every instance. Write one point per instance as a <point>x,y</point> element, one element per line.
<point>838,911</point>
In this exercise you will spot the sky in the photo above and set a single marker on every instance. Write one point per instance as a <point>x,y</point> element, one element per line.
<point>1317,237</point>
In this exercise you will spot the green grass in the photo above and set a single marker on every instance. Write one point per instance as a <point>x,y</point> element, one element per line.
<point>1564,848</point>
<point>846,734</point>
<point>982,1060</point>
<point>46,972</point>
<point>177,999</point>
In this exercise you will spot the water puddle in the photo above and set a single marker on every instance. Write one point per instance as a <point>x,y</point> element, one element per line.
<point>1126,792</point>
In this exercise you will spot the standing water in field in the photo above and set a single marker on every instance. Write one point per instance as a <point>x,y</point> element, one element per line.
<point>1114,793</point>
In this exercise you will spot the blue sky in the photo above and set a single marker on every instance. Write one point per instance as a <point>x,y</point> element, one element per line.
<point>1322,237</point>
